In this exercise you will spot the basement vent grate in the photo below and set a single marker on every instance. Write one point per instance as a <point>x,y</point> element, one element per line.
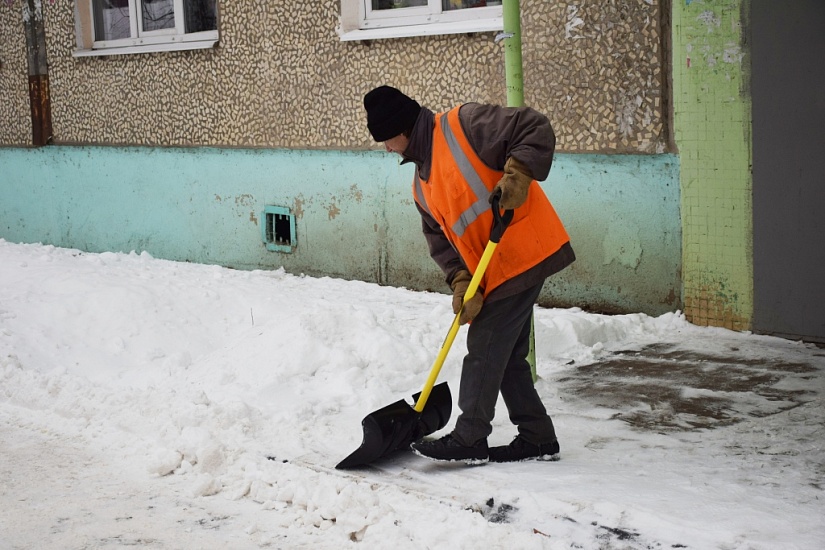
<point>279,229</point>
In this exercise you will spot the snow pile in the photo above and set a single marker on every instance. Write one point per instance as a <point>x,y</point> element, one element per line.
<point>229,396</point>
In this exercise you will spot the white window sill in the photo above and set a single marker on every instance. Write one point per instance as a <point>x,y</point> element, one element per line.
<point>494,24</point>
<point>148,48</point>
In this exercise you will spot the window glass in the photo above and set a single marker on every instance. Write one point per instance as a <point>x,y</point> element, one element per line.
<point>462,4</point>
<point>446,5</point>
<point>200,15</point>
<point>112,19</point>
<point>158,14</point>
<point>393,4</point>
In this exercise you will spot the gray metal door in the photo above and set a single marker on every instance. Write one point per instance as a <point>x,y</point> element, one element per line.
<point>788,91</point>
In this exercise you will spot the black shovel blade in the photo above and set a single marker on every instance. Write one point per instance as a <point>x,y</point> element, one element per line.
<point>397,425</point>
<point>436,412</point>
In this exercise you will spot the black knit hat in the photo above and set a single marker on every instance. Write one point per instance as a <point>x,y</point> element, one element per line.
<point>389,112</point>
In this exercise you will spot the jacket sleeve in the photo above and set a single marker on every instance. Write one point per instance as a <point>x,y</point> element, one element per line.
<point>496,133</point>
<point>441,251</point>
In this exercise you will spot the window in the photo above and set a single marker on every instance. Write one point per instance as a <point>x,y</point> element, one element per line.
<point>134,26</point>
<point>371,19</point>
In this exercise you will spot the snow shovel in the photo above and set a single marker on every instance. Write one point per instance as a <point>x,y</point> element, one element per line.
<point>397,425</point>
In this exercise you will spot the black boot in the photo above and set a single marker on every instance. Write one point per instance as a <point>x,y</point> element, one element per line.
<point>450,450</point>
<point>520,449</point>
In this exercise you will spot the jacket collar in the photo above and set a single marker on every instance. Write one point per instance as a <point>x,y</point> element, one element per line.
<point>420,148</point>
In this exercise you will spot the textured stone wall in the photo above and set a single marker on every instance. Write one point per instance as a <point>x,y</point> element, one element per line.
<point>15,115</point>
<point>281,77</point>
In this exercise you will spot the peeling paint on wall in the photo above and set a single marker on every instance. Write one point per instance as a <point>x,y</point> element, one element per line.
<point>333,210</point>
<point>571,31</point>
<point>298,207</point>
<point>27,14</point>
<point>622,244</point>
<point>356,193</point>
<point>710,19</point>
<point>244,200</point>
<point>732,54</point>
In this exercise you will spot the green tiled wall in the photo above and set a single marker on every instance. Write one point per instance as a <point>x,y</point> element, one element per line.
<point>712,131</point>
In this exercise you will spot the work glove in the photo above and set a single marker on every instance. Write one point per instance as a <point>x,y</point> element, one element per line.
<point>513,184</point>
<point>459,285</point>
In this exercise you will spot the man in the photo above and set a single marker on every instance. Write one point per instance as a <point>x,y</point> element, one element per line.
<point>462,157</point>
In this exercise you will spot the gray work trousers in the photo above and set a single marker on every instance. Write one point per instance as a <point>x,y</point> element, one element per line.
<point>498,341</point>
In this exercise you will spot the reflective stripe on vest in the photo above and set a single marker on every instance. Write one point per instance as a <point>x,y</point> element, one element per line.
<point>419,194</point>
<point>481,204</point>
<point>472,178</point>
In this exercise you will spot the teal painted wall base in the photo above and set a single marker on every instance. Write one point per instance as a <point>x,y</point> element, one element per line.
<point>353,213</point>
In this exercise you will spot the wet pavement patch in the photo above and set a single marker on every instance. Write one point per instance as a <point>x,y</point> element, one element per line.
<point>664,389</point>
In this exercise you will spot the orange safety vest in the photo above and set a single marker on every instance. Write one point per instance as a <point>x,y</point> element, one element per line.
<point>456,196</point>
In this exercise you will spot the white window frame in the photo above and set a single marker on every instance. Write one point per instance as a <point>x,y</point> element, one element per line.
<point>360,22</point>
<point>172,39</point>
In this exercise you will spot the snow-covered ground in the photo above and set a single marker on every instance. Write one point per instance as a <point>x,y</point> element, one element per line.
<point>155,404</point>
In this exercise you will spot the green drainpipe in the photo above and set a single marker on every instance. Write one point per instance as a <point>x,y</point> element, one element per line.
<point>515,98</point>
<point>512,52</point>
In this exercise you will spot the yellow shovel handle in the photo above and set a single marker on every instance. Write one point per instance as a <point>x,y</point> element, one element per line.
<point>448,342</point>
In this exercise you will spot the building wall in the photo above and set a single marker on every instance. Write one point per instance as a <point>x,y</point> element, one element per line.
<point>281,77</point>
<point>354,214</point>
<point>177,153</point>
<point>712,132</point>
